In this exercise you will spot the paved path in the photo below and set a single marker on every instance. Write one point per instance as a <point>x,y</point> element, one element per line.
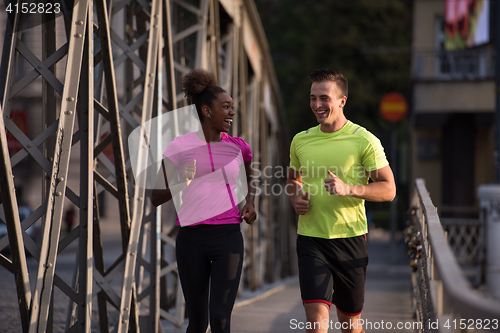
<point>387,301</point>
<point>387,298</point>
<point>387,294</point>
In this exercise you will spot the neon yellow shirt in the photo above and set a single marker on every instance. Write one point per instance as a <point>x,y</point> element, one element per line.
<point>348,153</point>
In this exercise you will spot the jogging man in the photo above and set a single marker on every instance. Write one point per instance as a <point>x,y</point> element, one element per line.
<point>330,168</point>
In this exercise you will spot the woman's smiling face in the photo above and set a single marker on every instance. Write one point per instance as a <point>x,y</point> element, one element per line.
<point>222,113</point>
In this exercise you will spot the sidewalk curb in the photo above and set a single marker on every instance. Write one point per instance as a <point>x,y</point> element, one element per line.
<point>388,269</point>
<point>272,291</point>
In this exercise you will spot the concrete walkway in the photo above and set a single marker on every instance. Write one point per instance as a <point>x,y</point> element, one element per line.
<point>387,302</point>
<point>387,299</point>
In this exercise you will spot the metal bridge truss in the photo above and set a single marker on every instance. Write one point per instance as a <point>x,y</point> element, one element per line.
<point>103,69</point>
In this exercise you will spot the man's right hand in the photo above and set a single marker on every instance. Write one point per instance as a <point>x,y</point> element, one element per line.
<point>302,204</point>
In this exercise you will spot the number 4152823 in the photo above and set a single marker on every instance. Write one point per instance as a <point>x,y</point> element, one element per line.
<point>485,324</point>
<point>34,8</point>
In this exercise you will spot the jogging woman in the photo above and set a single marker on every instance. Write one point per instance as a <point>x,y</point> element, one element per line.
<point>209,245</point>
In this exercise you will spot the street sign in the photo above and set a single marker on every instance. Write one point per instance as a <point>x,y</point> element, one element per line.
<point>393,107</point>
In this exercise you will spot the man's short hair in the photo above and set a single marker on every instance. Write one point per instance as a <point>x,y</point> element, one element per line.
<point>319,75</point>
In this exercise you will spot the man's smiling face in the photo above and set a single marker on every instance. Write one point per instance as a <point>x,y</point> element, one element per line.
<point>326,102</point>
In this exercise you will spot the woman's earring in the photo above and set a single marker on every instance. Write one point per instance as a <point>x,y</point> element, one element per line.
<point>209,116</point>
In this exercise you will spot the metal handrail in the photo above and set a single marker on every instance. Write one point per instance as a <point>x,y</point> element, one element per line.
<point>451,295</point>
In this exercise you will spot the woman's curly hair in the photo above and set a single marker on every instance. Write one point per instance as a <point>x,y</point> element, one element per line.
<point>202,88</point>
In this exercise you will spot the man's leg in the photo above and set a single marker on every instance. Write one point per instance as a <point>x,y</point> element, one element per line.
<point>350,282</point>
<point>349,324</point>
<point>318,315</point>
<point>316,283</point>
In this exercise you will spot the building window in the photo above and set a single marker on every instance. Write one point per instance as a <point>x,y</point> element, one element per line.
<point>468,64</point>
<point>477,63</point>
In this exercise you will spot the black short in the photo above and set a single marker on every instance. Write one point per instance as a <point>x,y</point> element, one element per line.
<point>333,271</point>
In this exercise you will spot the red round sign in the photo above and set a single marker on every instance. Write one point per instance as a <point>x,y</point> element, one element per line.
<point>393,107</point>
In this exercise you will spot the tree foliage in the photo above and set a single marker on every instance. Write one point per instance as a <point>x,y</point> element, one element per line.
<point>367,40</point>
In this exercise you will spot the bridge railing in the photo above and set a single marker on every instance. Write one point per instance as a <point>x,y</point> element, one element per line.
<point>466,238</point>
<point>444,300</point>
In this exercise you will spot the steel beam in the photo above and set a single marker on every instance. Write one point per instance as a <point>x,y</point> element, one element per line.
<point>7,196</point>
<point>111,119</point>
<point>15,232</point>
<point>86,129</point>
<point>59,174</point>
<point>182,35</point>
<point>118,170</point>
<point>142,157</point>
<point>8,60</point>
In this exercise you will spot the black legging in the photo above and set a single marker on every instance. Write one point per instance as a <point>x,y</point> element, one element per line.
<point>209,258</point>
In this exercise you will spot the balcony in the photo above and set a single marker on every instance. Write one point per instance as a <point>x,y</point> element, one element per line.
<point>454,66</point>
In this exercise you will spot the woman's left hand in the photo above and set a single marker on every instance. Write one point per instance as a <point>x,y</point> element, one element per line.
<point>248,213</point>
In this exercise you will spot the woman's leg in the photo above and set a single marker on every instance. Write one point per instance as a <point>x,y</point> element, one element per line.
<point>227,260</point>
<point>194,273</point>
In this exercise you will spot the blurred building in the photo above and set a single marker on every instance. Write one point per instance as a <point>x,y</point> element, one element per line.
<point>452,126</point>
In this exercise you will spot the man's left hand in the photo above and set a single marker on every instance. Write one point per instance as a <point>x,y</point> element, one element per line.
<point>334,185</point>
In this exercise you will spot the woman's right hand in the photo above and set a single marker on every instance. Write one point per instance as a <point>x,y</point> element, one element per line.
<point>188,172</point>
